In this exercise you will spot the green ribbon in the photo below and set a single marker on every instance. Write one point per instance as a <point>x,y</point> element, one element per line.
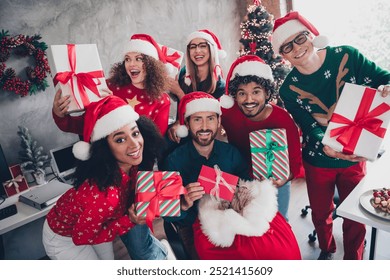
<point>270,149</point>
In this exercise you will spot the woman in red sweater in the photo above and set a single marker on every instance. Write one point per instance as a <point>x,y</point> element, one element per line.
<point>88,217</point>
<point>140,79</point>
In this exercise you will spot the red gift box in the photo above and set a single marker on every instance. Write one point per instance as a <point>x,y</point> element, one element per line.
<point>158,194</point>
<point>17,184</point>
<point>217,183</point>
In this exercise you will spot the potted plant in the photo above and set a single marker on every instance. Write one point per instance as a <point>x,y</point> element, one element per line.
<point>34,160</point>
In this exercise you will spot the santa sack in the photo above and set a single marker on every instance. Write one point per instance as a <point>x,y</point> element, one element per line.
<point>248,228</point>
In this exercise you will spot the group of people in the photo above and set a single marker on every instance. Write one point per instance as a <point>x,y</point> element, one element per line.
<point>119,139</point>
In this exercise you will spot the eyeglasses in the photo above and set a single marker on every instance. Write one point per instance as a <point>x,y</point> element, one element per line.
<point>202,46</point>
<point>299,40</point>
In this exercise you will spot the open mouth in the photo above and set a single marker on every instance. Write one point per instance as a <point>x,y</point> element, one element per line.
<point>199,57</point>
<point>250,106</point>
<point>134,73</point>
<point>300,54</point>
<point>135,154</point>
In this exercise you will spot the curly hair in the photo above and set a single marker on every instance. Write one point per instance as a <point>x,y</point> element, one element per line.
<point>155,80</point>
<point>270,87</point>
<point>102,167</point>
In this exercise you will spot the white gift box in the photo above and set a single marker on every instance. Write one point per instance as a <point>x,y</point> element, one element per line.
<point>174,59</point>
<point>82,78</point>
<point>359,122</point>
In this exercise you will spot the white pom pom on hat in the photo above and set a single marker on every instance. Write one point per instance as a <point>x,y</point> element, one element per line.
<point>291,24</point>
<point>215,48</point>
<point>101,118</point>
<point>195,102</point>
<point>244,66</point>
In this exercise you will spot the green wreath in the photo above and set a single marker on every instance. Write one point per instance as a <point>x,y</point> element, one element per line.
<point>22,46</point>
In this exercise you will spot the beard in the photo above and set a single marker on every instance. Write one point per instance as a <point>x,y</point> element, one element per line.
<point>203,142</point>
<point>251,114</point>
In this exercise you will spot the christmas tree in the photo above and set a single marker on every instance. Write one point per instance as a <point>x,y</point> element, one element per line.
<point>32,156</point>
<point>256,30</point>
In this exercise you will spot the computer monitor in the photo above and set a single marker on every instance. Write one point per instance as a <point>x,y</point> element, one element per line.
<point>5,173</point>
<point>63,162</point>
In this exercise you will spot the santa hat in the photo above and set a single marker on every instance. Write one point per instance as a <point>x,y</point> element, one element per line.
<point>101,118</point>
<point>291,24</point>
<point>215,49</point>
<point>244,66</point>
<point>193,103</point>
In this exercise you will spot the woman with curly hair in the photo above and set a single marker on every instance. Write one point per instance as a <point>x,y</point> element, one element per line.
<point>100,206</point>
<point>249,89</point>
<point>140,79</point>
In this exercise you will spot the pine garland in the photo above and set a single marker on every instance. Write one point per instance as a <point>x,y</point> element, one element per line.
<point>32,156</point>
<point>23,46</point>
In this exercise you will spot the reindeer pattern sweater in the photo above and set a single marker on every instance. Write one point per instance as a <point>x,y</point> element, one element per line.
<point>311,99</point>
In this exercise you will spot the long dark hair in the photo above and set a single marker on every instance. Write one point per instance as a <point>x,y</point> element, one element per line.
<point>102,168</point>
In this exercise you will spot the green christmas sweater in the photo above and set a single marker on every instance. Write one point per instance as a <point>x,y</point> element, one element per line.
<point>311,99</point>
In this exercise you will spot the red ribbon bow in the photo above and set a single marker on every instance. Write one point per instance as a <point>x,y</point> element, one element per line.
<point>171,58</point>
<point>348,135</point>
<point>170,188</point>
<point>84,80</point>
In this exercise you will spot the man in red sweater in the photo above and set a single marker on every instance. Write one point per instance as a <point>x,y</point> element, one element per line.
<point>249,88</point>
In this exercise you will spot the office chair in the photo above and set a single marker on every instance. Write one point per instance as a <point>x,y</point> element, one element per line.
<point>304,211</point>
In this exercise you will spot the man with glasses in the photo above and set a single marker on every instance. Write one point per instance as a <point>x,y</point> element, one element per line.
<point>310,93</point>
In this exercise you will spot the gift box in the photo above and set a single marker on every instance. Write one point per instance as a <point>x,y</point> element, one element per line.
<point>173,59</point>
<point>359,122</point>
<point>17,184</point>
<point>77,70</point>
<point>269,153</point>
<point>220,185</point>
<point>158,194</point>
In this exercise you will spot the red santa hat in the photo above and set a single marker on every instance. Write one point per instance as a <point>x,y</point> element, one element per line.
<point>195,102</point>
<point>215,49</point>
<point>101,118</point>
<point>244,66</point>
<point>293,23</point>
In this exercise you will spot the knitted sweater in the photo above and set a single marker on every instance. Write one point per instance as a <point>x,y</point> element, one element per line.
<point>311,99</point>
<point>91,216</point>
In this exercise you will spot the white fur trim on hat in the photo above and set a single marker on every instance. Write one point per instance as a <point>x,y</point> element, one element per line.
<point>141,46</point>
<point>182,131</point>
<point>286,30</point>
<point>221,226</point>
<point>253,68</point>
<point>112,121</point>
<point>226,101</point>
<point>320,42</point>
<point>203,105</point>
<point>82,150</point>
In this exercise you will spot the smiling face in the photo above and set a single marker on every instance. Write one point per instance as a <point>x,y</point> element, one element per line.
<point>299,53</point>
<point>199,51</point>
<point>134,64</point>
<point>203,127</point>
<point>126,145</point>
<point>251,99</point>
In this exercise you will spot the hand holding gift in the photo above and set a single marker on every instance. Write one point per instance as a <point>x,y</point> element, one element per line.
<point>158,195</point>
<point>218,184</point>
<point>358,124</point>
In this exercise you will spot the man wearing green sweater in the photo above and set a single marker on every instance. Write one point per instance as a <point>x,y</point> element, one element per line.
<point>310,93</point>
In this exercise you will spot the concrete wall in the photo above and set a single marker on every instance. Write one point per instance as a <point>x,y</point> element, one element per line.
<point>108,24</point>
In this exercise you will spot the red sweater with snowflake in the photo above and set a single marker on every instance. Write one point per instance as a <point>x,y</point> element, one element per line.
<point>91,216</point>
<point>156,110</point>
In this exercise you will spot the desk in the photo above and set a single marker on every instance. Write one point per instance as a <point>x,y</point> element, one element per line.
<point>377,177</point>
<point>26,214</point>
